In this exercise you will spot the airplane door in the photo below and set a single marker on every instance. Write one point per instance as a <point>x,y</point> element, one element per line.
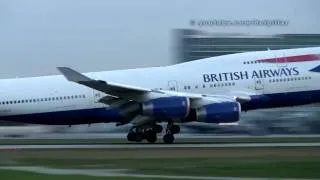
<point>259,85</point>
<point>173,85</point>
<point>96,96</point>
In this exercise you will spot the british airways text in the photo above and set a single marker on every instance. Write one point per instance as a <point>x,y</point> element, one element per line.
<point>255,74</point>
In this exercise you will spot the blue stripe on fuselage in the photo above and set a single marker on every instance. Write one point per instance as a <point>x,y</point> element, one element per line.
<point>282,100</point>
<point>82,116</point>
<point>97,115</point>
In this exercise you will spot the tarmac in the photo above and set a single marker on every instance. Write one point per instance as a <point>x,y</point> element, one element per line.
<point>124,135</point>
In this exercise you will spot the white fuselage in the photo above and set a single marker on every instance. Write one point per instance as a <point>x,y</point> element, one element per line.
<point>233,73</point>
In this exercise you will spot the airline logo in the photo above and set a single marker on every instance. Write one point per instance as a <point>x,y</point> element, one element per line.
<point>255,74</point>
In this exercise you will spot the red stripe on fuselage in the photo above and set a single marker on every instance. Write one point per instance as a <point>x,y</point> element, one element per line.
<point>290,59</point>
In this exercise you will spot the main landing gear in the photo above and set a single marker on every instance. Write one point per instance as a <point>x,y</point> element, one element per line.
<point>138,134</point>
<point>149,133</point>
<point>172,129</point>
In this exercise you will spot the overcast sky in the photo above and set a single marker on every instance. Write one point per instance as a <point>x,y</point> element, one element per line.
<point>36,36</point>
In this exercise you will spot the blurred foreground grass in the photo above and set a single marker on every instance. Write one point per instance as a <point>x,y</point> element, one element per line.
<point>293,162</point>
<point>17,175</point>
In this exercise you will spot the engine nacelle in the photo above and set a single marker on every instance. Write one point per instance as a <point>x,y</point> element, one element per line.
<point>224,112</point>
<point>167,107</point>
<point>122,113</point>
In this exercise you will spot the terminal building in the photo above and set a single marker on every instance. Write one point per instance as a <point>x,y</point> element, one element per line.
<point>195,44</point>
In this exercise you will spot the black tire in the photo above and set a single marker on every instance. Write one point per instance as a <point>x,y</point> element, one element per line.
<point>158,128</point>
<point>139,137</point>
<point>131,136</point>
<point>151,136</point>
<point>175,129</point>
<point>168,138</point>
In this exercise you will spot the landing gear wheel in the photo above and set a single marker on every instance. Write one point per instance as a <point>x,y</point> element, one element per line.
<point>158,128</point>
<point>168,138</point>
<point>175,129</point>
<point>131,136</point>
<point>135,136</point>
<point>151,136</point>
<point>139,137</point>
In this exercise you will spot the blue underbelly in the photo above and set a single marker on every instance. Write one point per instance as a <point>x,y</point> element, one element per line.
<point>282,100</point>
<point>83,116</point>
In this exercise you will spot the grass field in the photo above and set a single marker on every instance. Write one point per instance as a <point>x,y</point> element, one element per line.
<point>302,162</point>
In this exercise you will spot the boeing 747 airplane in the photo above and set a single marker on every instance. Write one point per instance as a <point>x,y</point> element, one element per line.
<point>211,90</point>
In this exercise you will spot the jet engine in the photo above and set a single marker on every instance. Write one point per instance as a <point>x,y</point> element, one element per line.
<point>167,107</point>
<point>224,112</point>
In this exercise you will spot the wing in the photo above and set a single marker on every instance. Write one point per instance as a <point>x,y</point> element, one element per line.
<point>113,89</point>
<point>139,94</point>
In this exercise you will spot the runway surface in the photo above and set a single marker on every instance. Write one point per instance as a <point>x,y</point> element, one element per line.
<point>124,135</point>
<point>149,146</point>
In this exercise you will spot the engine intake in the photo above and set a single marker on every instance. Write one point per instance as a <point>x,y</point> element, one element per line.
<point>167,107</point>
<point>225,112</point>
